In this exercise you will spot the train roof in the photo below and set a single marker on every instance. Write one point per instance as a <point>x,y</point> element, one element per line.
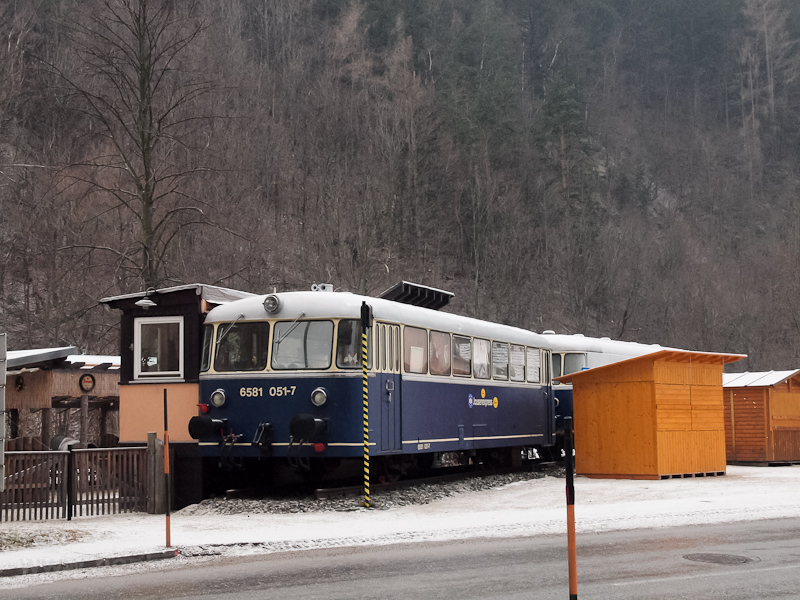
<point>348,306</point>
<point>580,343</point>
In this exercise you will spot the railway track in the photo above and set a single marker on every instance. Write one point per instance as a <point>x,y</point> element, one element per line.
<point>356,490</point>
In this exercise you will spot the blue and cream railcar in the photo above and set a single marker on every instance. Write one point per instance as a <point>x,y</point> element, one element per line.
<point>281,376</point>
<point>576,352</point>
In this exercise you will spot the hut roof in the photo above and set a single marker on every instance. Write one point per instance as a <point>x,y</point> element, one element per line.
<point>760,379</point>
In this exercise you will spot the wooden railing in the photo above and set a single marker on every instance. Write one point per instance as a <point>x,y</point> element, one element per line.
<point>56,485</point>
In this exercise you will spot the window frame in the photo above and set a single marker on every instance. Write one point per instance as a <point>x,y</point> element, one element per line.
<point>431,334</point>
<point>476,343</point>
<point>274,330</point>
<point>407,349</point>
<point>468,340</point>
<point>138,374</point>
<point>227,328</point>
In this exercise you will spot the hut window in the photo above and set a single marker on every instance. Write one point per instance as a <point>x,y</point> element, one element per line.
<point>158,347</point>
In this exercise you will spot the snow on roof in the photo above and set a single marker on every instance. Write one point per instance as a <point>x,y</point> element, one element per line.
<point>760,379</point>
<point>23,358</point>
<point>209,293</point>
<point>91,361</point>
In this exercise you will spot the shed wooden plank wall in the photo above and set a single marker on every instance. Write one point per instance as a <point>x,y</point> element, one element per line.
<point>650,419</point>
<point>690,421</point>
<point>36,393</point>
<point>762,424</point>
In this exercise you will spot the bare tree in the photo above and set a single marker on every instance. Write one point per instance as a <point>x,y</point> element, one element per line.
<point>137,89</point>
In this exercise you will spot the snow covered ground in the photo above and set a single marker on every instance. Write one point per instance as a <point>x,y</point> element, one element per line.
<point>529,508</point>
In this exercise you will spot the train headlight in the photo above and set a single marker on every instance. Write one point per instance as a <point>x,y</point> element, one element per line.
<point>272,303</point>
<point>319,396</point>
<point>218,397</point>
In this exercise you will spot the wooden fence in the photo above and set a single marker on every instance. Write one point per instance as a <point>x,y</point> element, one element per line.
<point>57,485</point>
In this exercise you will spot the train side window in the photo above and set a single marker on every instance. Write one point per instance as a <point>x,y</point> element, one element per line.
<point>557,359</point>
<point>348,345</point>
<point>499,360</point>
<point>158,347</point>
<point>440,353</point>
<point>415,350</point>
<point>208,338</point>
<point>516,363</point>
<point>242,346</point>
<point>382,347</point>
<point>462,356</point>
<point>533,364</point>
<point>481,358</point>
<point>574,362</point>
<point>302,345</point>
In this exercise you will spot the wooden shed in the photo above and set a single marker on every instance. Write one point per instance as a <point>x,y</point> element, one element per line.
<point>651,417</point>
<point>762,417</point>
<point>45,386</point>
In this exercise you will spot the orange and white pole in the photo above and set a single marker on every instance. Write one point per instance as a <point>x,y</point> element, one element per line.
<point>166,465</point>
<point>572,549</point>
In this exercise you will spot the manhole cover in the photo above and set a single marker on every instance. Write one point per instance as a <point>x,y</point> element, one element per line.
<point>718,559</point>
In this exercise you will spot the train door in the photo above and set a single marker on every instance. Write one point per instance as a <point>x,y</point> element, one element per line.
<point>388,367</point>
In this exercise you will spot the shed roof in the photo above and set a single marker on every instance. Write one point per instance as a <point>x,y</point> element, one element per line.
<point>56,357</point>
<point>687,356</point>
<point>760,379</point>
<point>210,293</point>
<point>18,359</point>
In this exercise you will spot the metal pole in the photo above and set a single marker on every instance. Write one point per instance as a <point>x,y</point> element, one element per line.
<point>572,549</point>
<point>70,481</point>
<point>166,465</point>
<point>3,353</point>
<point>366,323</point>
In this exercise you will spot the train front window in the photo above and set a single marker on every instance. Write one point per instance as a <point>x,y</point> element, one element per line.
<point>242,346</point>
<point>302,345</point>
<point>574,362</point>
<point>208,337</point>
<point>348,345</point>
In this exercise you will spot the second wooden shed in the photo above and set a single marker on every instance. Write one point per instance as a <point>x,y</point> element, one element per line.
<point>651,417</point>
<point>762,417</point>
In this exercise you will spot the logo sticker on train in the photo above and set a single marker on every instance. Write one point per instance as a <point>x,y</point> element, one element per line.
<point>482,401</point>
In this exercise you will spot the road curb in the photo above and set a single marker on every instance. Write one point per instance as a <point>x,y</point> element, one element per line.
<point>86,564</point>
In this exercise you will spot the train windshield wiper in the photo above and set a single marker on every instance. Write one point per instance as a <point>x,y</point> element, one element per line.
<point>292,326</point>
<point>227,329</point>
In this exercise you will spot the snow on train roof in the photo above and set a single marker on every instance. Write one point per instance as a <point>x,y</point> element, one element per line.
<point>346,305</point>
<point>579,343</point>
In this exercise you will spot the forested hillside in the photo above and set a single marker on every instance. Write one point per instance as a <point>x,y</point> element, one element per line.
<point>618,168</point>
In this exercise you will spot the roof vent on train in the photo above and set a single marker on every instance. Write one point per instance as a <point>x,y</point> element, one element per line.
<point>322,287</point>
<point>418,295</point>
<point>548,332</point>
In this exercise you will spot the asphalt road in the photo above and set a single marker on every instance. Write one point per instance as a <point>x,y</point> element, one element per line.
<point>751,560</point>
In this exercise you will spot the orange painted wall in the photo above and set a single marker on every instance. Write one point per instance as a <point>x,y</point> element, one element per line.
<point>141,409</point>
